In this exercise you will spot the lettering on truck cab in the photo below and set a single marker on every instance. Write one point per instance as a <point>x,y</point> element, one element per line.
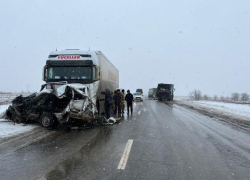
<point>68,57</point>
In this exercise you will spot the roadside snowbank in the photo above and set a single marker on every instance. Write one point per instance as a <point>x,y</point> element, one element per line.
<point>230,110</point>
<point>8,128</point>
<point>237,109</point>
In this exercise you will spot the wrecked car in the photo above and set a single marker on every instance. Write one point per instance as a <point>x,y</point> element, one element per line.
<point>57,103</point>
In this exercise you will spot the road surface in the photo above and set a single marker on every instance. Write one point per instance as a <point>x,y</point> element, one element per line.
<point>159,141</point>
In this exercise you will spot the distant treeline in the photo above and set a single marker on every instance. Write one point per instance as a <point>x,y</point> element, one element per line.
<point>235,97</point>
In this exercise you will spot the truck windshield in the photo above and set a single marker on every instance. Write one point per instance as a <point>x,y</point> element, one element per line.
<point>62,73</point>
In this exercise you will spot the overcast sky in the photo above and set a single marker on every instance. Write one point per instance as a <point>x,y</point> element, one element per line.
<point>194,44</point>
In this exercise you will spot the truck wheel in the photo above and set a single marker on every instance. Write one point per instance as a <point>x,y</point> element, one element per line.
<point>47,120</point>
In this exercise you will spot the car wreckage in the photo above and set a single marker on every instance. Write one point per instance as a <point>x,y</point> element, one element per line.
<point>56,104</point>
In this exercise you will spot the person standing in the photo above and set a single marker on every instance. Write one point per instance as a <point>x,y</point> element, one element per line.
<point>118,101</point>
<point>108,101</point>
<point>123,101</point>
<point>129,98</point>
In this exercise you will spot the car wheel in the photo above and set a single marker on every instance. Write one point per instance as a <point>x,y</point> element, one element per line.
<point>47,119</point>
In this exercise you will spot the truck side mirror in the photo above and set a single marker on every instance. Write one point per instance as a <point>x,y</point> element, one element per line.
<point>98,73</point>
<point>45,73</point>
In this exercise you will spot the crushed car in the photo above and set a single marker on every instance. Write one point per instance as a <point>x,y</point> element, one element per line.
<point>56,104</point>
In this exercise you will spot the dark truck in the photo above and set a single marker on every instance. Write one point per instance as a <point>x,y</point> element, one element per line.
<point>165,92</point>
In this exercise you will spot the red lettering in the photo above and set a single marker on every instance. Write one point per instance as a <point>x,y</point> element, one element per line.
<point>68,57</point>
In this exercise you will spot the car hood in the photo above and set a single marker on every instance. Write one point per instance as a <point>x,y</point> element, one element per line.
<point>61,90</point>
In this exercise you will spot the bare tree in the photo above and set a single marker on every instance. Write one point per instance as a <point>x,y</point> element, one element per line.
<point>215,97</point>
<point>205,97</point>
<point>235,96</point>
<point>222,98</point>
<point>195,95</point>
<point>244,97</point>
<point>227,99</point>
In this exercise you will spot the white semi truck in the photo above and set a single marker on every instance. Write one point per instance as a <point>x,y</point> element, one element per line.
<point>90,69</point>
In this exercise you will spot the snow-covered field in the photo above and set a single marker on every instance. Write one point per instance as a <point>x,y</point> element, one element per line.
<point>232,110</point>
<point>6,98</point>
<point>8,128</point>
<point>237,109</point>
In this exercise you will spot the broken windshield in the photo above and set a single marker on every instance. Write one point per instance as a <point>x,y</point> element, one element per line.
<point>62,73</point>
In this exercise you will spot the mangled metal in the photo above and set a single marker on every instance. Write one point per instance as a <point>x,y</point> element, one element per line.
<point>56,103</point>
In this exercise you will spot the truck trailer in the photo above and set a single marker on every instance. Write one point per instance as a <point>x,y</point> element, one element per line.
<point>152,92</point>
<point>165,92</point>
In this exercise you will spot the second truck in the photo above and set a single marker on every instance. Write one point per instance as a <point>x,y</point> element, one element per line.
<point>165,92</point>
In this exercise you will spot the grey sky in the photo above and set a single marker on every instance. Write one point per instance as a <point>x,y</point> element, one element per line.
<point>193,44</point>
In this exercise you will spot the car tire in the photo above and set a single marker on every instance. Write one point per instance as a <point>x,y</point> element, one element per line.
<point>47,119</point>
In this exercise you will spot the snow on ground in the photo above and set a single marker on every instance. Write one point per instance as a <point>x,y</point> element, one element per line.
<point>238,109</point>
<point>232,110</point>
<point>8,128</point>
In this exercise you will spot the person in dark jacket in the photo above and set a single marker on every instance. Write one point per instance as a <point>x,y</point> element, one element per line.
<point>108,101</point>
<point>129,98</point>
<point>118,101</point>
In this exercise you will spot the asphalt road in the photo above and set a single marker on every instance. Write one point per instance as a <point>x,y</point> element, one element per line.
<point>159,141</point>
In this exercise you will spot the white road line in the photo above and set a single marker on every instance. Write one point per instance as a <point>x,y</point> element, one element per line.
<point>125,155</point>
<point>24,134</point>
<point>139,112</point>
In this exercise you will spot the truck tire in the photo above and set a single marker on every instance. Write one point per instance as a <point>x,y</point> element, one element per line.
<point>47,119</point>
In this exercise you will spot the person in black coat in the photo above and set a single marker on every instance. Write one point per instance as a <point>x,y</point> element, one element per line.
<point>108,101</point>
<point>129,98</point>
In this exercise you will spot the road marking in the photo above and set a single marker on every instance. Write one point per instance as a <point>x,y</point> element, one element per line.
<point>125,155</point>
<point>139,112</point>
<point>23,135</point>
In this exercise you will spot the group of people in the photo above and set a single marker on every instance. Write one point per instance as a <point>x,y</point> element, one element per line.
<point>117,100</point>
